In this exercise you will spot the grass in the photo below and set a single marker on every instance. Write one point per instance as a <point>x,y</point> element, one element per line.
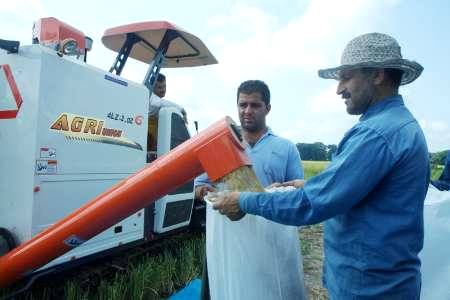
<point>149,277</point>
<point>436,171</point>
<point>311,242</point>
<point>311,238</point>
<point>312,168</point>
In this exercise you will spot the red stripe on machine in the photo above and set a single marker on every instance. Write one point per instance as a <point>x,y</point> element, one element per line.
<point>12,113</point>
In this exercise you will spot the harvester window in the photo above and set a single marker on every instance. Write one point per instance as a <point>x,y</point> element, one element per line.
<point>179,135</point>
<point>179,132</point>
<point>152,138</point>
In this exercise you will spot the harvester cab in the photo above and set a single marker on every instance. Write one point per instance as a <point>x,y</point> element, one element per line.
<point>69,131</point>
<point>160,44</point>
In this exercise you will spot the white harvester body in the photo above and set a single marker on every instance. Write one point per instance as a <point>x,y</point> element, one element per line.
<point>69,131</point>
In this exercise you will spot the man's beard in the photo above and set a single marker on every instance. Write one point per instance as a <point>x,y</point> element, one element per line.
<point>253,127</point>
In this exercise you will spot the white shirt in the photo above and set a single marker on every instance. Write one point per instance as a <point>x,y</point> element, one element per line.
<point>156,103</point>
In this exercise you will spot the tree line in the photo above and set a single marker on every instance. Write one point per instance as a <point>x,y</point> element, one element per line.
<point>316,151</point>
<point>320,151</point>
<point>438,158</point>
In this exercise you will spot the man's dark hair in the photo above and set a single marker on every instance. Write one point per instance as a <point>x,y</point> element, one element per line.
<point>395,76</point>
<point>255,86</point>
<point>161,77</point>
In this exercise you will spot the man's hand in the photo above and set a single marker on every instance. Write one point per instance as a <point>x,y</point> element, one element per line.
<point>273,185</point>
<point>227,203</point>
<point>202,190</point>
<point>297,183</point>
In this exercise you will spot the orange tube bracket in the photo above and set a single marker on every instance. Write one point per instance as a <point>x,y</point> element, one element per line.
<point>218,150</point>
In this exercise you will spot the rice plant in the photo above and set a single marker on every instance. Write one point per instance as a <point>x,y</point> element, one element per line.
<point>312,168</point>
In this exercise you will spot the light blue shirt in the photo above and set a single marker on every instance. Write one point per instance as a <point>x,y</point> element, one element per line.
<point>274,159</point>
<point>372,193</point>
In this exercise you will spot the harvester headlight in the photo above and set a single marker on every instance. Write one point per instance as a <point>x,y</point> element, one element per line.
<point>69,47</point>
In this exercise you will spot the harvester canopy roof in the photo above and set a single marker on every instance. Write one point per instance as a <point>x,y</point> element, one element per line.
<point>186,50</point>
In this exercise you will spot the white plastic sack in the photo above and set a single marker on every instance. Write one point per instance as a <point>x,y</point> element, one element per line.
<point>435,255</point>
<point>252,259</point>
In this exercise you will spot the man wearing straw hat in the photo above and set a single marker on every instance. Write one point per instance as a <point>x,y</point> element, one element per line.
<point>373,191</point>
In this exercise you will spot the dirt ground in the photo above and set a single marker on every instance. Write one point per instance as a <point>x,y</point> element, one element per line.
<point>312,250</point>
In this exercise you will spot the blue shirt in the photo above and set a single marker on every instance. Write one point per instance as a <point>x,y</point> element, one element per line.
<point>274,159</point>
<point>372,193</point>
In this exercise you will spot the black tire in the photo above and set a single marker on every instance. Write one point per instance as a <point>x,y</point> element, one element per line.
<point>7,242</point>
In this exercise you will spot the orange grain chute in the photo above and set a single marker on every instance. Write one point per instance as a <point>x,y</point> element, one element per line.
<point>216,150</point>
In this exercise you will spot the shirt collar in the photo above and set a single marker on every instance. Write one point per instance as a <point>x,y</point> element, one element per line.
<point>266,134</point>
<point>382,105</point>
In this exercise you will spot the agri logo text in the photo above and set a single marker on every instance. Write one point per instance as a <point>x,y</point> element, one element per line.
<point>90,129</point>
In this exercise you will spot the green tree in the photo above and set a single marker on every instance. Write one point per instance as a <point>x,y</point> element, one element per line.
<point>331,150</point>
<point>438,158</point>
<point>316,151</point>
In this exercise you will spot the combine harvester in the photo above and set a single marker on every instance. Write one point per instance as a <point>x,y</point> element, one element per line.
<point>71,132</point>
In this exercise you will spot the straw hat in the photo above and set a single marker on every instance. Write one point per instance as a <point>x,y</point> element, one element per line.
<point>374,50</point>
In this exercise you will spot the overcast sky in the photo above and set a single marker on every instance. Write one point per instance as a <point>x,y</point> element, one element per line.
<point>283,43</point>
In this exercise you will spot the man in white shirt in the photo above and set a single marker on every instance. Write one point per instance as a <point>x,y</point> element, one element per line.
<point>157,101</point>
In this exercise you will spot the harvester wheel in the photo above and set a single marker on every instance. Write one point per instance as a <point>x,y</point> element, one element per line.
<point>7,242</point>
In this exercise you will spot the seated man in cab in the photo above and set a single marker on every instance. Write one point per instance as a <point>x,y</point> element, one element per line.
<point>157,101</point>
<point>155,104</point>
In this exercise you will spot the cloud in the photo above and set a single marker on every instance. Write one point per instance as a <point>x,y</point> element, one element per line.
<point>324,119</point>
<point>247,19</point>
<point>23,9</point>
<point>327,102</point>
<point>439,126</point>
<point>272,49</point>
<point>16,14</point>
<point>437,133</point>
<point>180,89</point>
<point>206,112</point>
<point>263,45</point>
